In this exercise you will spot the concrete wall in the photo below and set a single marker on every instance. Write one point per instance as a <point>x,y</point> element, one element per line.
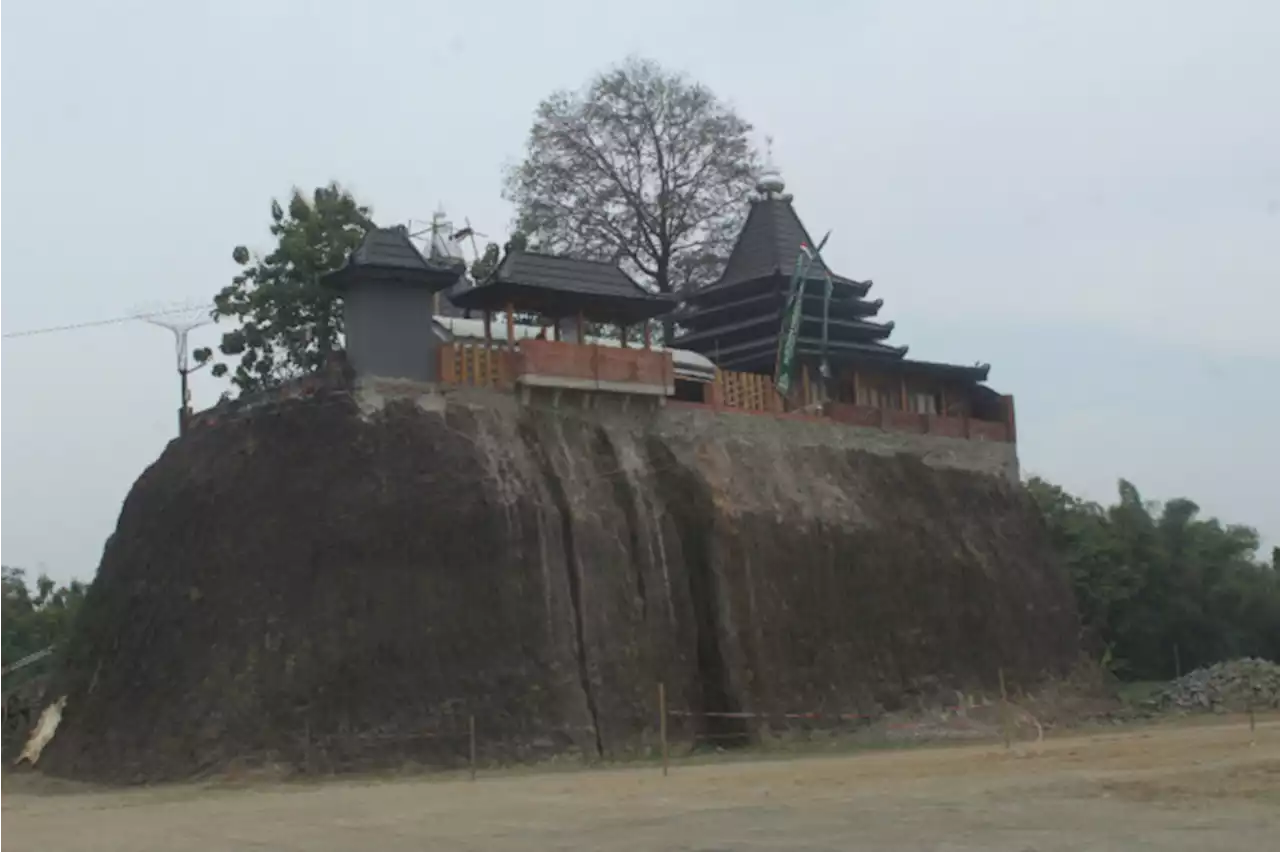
<point>390,332</point>
<point>997,458</point>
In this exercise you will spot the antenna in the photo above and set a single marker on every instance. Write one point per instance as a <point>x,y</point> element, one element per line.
<point>441,240</point>
<point>469,233</point>
<point>180,321</point>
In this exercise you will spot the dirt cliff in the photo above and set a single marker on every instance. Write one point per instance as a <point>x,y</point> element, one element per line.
<point>339,582</point>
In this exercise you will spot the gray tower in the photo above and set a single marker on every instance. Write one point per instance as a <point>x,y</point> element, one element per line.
<point>387,289</point>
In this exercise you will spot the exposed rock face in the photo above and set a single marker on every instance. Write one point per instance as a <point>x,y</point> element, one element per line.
<point>322,582</point>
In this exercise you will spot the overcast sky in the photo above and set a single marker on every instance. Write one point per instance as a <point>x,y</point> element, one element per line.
<point>1085,194</point>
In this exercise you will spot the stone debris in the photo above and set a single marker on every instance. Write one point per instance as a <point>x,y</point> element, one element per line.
<point>1231,686</point>
<point>44,731</point>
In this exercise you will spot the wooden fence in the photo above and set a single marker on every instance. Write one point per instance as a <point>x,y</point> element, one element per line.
<point>752,392</point>
<point>747,391</point>
<point>476,365</point>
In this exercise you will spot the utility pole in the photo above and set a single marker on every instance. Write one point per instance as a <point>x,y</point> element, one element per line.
<point>180,323</point>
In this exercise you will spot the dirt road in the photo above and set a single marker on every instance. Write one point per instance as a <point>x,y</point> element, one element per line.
<point>1200,786</point>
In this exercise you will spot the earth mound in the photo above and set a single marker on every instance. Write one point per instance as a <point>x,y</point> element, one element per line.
<point>342,582</point>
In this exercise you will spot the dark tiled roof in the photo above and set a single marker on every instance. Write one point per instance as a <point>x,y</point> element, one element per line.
<point>551,282</point>
<point>388,255</point>
<point>769,244</point>
<point>554,272</point>
<point>388,247</point>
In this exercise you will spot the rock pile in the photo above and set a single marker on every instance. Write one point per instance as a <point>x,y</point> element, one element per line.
<point>1231,686</point>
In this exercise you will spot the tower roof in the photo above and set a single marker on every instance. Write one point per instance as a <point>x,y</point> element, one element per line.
<point>769,245</point>
<point>387,256</point>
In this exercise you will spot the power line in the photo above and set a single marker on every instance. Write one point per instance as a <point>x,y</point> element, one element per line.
<point>31,332</point>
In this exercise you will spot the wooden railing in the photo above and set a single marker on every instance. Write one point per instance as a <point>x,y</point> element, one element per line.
<point>756,393</point>
<point>747,391</point>
<point>477,366</point>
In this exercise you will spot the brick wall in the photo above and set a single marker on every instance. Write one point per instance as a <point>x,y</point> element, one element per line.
<point>982,452</point>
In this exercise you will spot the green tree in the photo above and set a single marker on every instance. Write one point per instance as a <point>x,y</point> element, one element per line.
<point>643,167</point>
<point>35,618</point>
<point>1161,587</point>
<point>288,322</point>
<point>484,265</point>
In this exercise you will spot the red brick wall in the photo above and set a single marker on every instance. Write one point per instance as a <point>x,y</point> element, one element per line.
<point>951,427</point>
<point>594,363</point>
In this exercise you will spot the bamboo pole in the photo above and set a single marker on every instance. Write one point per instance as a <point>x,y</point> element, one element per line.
<point>1004,709</point>
<point>471,724</point>
<point>662,726</point>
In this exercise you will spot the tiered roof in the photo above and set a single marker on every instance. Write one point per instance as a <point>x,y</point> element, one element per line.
<point>737,320</point>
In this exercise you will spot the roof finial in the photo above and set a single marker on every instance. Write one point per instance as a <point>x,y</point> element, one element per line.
<point>770,182</point>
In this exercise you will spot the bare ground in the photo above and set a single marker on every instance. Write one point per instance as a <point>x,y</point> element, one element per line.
<point>1174,786</point>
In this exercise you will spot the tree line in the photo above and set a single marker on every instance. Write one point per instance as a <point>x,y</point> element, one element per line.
<point>36,613</point>
<point>1162,590</point>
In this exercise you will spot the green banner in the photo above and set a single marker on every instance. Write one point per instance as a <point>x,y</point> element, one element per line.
<point>791,326</point>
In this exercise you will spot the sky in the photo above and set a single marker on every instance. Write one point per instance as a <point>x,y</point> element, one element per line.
<point>1085,194</point>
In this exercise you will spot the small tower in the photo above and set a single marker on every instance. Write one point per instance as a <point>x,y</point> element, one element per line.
<point>388,289</point>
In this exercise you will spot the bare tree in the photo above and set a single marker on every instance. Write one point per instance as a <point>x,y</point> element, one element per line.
<point>643,167</point>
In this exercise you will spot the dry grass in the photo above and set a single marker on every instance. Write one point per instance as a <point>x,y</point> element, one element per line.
<point>1199,785</point>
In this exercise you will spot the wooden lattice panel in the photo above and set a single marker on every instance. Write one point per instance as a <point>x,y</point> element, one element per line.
<point>747,391</point>
<point>476,366</point>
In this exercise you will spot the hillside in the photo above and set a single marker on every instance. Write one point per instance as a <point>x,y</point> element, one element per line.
<point>323,581</point>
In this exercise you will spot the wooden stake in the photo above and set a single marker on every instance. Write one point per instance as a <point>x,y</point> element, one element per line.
<point>1253,722</point>
<point>471,720</point>
<point>662,726</point>
<point>511,326</point>
<point>488,331</point>
<point>1004,709</point>
<point>648,336</point>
